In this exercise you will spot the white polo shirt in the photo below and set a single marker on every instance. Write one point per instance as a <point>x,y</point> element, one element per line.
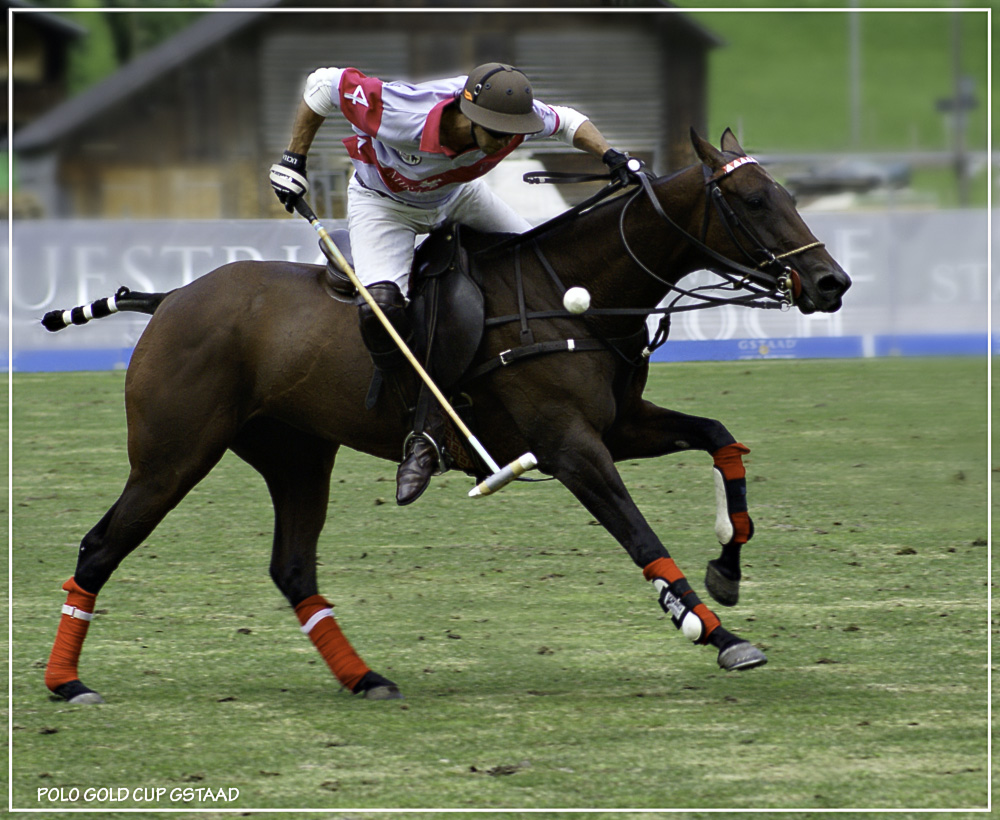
<point>396,149</point>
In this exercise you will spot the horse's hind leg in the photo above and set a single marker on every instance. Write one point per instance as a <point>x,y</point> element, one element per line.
<point>296,467</point>
<point>159,479</point>
<point>656,431</point>
<point>181,418</point>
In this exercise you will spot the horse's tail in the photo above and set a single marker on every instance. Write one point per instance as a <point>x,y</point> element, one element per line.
<point>124,299</point>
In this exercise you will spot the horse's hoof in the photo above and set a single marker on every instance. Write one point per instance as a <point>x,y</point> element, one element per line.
<point>383,693</point>
<point>742,655</point>
<point>375,687</point>
<point>87,697</point>
<point>724,590</point>
<point>76,692</point>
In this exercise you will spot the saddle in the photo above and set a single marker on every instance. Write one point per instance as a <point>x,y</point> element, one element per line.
<point>446,307</point>
<point>446,312</point>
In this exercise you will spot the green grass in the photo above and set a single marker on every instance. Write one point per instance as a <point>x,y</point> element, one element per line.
<point>782,80</point>
<point>538,670</point>
<point>785,75</point>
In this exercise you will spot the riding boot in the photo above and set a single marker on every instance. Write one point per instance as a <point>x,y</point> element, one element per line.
<point>414,474</point>
<point>386,355</point>
<point>423,451</point>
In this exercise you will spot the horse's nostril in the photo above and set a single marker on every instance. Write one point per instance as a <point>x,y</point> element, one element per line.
<point>831,284</point>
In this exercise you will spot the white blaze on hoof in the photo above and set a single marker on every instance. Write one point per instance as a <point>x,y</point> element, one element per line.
<point>723,524</point>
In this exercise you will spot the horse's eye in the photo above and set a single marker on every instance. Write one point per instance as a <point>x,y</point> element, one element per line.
<point>755,203</point>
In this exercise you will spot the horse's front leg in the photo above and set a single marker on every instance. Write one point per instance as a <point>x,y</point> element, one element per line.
<point>649,431</point>
<point>585,466</point>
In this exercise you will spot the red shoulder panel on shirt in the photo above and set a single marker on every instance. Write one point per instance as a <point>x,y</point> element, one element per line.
<point>361,100</point>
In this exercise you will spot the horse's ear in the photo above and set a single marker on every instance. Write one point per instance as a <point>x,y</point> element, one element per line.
<point>707,152</point>
<point>730,144</point>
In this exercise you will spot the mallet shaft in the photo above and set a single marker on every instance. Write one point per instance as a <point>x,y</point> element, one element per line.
<point>500,478</point>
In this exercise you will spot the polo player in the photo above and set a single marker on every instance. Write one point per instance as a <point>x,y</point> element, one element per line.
<point>419,153</point>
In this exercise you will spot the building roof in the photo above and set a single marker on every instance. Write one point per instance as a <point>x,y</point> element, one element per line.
<point>214,26</point>
<point>52,23</point>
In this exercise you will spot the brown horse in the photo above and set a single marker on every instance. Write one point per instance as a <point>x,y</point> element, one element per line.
<point>256,358</point>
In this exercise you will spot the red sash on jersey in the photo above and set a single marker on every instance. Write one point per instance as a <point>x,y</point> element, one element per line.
<point>362,150</point>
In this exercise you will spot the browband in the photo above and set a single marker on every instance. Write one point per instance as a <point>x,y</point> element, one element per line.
<point>731,166</point>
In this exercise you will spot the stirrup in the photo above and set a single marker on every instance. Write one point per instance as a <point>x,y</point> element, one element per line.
<point>439,454</point>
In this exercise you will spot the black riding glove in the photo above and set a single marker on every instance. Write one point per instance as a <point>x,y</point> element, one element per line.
<point>623,167</point>
<point>288,178</point>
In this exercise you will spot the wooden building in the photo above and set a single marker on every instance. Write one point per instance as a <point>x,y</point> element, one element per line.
<point>38,62</point>
<point>189,129</point>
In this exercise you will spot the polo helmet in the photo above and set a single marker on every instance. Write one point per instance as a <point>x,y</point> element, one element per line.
<point>499,97</point>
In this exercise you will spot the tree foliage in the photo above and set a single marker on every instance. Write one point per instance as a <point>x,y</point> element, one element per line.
<point>118,32</point>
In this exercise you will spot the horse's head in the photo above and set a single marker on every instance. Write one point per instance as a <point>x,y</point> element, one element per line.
<point>755,222</point>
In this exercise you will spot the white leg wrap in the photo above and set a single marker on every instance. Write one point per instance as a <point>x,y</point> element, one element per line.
<point>73,612</point>
<point>315,619</point>
<point>723,524</point>
<point>684,619</point>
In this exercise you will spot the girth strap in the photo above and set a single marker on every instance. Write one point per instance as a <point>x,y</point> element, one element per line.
<point>635,341</point>
<point>517,354</point>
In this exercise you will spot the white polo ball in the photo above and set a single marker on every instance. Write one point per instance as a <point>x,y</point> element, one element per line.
<point>576,300</point>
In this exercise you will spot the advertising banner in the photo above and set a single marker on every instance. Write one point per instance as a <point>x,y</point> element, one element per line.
<point>921,286</point>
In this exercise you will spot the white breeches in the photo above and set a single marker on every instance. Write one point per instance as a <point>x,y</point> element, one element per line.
<point>383,231</point>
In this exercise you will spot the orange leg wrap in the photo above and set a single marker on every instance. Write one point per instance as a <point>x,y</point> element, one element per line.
<point>662,568</point>
<point>741,527</point>
<point>666,568</point>
<point>72,630</point>
<point>729,460</point>
<point>316,616</point>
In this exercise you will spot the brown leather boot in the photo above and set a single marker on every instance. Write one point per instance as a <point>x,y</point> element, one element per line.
<point>414,474</point>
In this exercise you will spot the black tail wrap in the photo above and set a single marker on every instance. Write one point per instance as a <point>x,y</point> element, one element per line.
<point>123,300</point>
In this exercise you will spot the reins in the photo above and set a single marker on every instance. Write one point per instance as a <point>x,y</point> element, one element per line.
<point>767,291</point>
<point>764,290</point>
<point>782,287</point>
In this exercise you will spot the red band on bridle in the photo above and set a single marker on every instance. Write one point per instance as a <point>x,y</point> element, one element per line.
<point>731,166</point>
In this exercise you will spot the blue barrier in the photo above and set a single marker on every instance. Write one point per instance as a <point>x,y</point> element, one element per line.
<point>827,347</point>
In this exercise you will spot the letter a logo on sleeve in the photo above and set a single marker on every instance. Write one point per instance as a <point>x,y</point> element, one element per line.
<point>361,101</point>
<point>357,97</point>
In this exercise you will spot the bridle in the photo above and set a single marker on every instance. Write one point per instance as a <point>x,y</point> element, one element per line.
<point>731,220</point>
<point>766,289</point>
<point>771,278</point>
<point>770,284</point>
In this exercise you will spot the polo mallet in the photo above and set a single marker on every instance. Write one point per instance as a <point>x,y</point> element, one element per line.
<point>500,477</point>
